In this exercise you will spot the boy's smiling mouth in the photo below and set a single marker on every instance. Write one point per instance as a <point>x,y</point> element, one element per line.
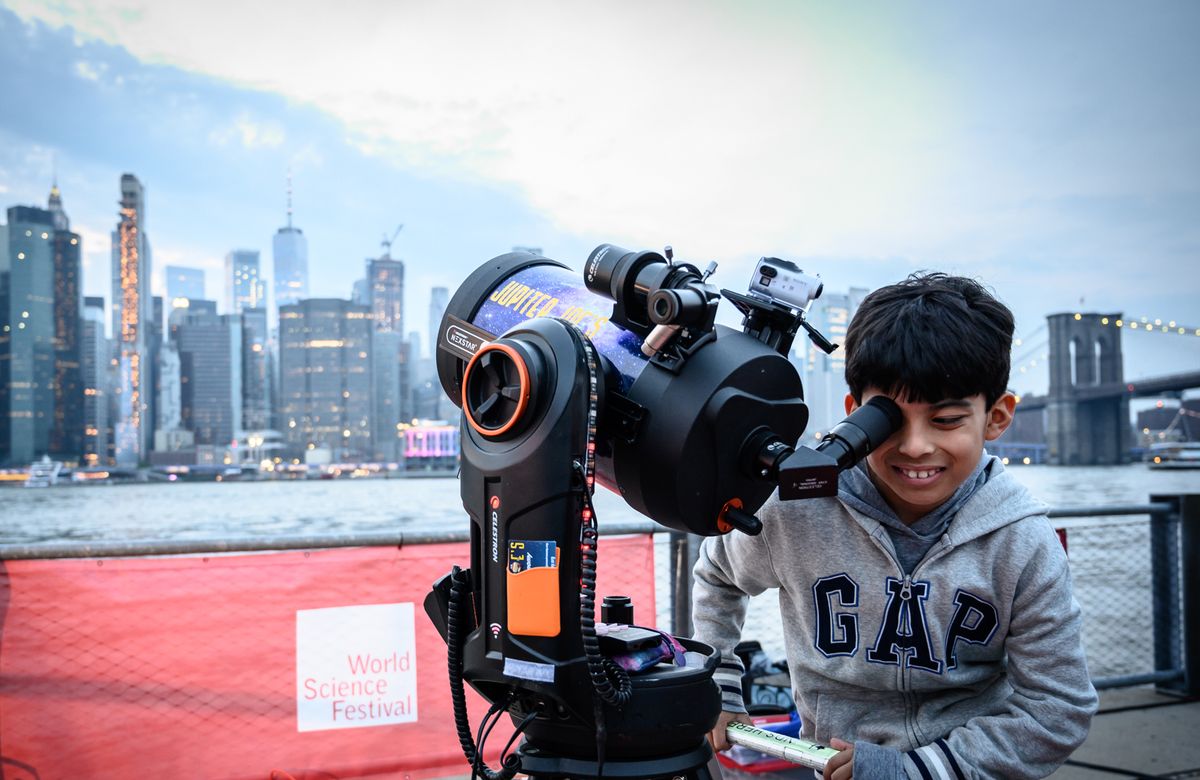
<point>920,475</point>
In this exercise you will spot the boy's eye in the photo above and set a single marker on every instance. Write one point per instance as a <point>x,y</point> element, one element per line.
<point>949,420</point>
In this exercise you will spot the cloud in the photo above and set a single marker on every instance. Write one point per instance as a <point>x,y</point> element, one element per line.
<point>729,129</point>
<point>249,133</point>
<point>865,142</point>
<point>91,71</point>
<point>648,119</point>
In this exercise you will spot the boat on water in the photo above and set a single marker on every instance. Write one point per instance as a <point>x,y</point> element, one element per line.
<point>43,473</point>
<point>1174,455</point>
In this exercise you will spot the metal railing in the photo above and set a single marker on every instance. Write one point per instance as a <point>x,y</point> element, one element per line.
<point>1174,578</point>
<point>1168,613</point>
<point>147,547</point>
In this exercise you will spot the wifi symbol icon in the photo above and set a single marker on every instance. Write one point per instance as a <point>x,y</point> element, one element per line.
<point>495,629</point>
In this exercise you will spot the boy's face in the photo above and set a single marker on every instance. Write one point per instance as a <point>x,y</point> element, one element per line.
<point>937,447</point>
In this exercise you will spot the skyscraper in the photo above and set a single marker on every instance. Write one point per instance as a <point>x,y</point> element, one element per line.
<point>210,368</point>
<point>178,316</point>
<point>389,374</point>
<point>824,376</point>
<point>414,347</point>
<point>154,343</point>
<point>132,312</point>
<point>439,299</point>
<point>325,370</point>
<point>426,399</point>
<point>184,284</point>
<point>256,371</point>
<point>290,252</point>
<point>94,368</point>
<point>387,403</point>
<point>243,282</point>
<point>26,335</point>
<point>385,283</point>
<point>170,391</point>
<point>66,433</point>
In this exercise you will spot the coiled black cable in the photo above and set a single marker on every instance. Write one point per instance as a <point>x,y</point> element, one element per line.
<point>603,671</point>
<point>610,681</point>
<point>511,764</point>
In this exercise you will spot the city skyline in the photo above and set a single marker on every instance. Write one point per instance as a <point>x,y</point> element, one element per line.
<point>1107,218</point>
<point>190,386</point>
<point>205,389</point>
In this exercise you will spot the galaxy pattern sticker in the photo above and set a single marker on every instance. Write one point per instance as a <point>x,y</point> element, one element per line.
<point>552,291</point>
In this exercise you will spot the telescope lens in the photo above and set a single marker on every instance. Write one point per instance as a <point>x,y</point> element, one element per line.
<point>683,306</point>
<point>662,307</point>
<point>496,389</point>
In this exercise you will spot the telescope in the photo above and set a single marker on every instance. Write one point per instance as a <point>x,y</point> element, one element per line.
<point>627,381</point>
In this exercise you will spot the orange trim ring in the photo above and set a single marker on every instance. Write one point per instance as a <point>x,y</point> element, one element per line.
<point>723,525</point>
<point>522,374</point>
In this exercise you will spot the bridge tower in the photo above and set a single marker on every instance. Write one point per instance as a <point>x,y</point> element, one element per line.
<point>1087,423</point>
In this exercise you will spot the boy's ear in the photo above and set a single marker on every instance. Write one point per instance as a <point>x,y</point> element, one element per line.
<point>850,405</point>
<point>1000,416</point>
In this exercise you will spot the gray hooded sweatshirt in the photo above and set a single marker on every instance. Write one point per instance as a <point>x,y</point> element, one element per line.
<point>969,667</point>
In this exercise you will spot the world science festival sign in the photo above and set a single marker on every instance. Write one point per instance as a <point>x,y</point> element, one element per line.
<point>355,667</point>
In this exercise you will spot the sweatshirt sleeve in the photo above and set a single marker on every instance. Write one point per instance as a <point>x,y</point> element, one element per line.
<point>729,570</point>
<point>1049,712</point>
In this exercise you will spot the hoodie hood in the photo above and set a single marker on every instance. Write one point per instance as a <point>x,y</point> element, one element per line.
<point>999,502</point>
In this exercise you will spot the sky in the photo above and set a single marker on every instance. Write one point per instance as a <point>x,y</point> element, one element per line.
<point>1050,149</point>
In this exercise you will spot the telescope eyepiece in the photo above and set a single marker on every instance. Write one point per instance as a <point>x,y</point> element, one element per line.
<point>613,271</point>
<point>651,293</point>
<point>863,430</point>
<point>813,473</point>
<point>683,306</point>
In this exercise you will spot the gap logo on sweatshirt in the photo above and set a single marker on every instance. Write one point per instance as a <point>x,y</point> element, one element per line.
<point>903,630</point>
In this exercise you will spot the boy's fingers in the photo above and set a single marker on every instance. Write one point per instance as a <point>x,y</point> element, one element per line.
<point>838,744</point>
<point>832,766</point>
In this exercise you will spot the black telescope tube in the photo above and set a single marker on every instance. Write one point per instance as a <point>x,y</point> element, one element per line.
<point>863,430</point>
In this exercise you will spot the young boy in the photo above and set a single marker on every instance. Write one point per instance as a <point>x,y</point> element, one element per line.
<point>928,618</point>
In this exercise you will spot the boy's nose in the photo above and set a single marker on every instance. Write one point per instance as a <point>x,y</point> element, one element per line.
<point>914,441</point>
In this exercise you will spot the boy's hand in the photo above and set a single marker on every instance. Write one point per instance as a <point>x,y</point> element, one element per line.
<point>717,737</point>
<point>841,766</point>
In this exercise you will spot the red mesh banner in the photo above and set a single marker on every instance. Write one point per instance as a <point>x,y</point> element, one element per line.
<point>231,666</point>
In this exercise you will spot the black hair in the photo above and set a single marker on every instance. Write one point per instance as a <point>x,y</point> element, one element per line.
<point>929,338</point>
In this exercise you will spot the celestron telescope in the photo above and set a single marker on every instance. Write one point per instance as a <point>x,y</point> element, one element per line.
<point>627,381</point>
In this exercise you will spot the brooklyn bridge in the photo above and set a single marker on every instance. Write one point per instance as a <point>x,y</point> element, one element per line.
<point>1084,417</point>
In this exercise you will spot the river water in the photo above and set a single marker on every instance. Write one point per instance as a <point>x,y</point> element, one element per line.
<point>197,510</point>
<point>1110,560</point>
